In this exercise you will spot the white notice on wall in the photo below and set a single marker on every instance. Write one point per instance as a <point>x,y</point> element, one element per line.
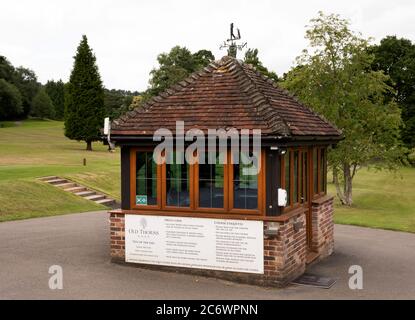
<point>217,244</point>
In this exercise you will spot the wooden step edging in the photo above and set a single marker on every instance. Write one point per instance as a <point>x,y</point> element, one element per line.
<point>79,190</point>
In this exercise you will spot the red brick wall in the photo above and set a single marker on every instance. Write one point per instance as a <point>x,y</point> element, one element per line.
<point>322,226</point>
<point>285,255</point>
<point>117,231</point>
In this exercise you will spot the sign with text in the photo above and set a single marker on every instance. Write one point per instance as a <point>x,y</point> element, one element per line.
<point>217,244</point>
<point>141,200</point>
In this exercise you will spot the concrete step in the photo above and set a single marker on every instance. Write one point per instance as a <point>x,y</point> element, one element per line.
<point>79,190</point>
<point>95,197</point>
<point>75,189</point>
<point>106,201</point>
<point>48,178</point>
<point>57,181</point>
<point>66,185</point>
<point>85,193</point>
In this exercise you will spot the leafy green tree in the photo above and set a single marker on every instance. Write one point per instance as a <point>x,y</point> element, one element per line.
<point>251,57</point>
<point>84,98</point>
<point>117,102</point>
<point>337,81</point>
<point>56,92</point>
<point>10,101</point>
<point>26,81</point>
<point>42,105</point>
<point>396,58</point>
<point>202,58</point>
<point>6,70</point>
<point>174,67</point>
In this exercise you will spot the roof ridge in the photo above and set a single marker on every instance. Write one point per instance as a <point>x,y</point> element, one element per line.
<point>267,103</point>
<point>294,97</point>
<point>173,89</point>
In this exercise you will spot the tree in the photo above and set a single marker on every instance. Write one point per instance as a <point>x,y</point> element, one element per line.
<point>84,98</point>
<point>6,70</point>
<point>56,92</point>
<point>337,81</point>
<point>396,58</point>
<point>42,105</point>
<point>251,57</point>
<point>10,101</point>
<point>117,102</point>
<point>26,81</point>
<point>174,67</point>
<point>202,58</point>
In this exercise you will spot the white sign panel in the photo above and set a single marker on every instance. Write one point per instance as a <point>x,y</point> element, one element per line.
<point>217,244</point>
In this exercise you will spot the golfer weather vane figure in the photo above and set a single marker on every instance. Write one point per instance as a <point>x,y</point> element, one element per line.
<point>231,43</point>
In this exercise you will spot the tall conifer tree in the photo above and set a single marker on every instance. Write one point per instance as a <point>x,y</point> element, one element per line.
<point>84,98</point>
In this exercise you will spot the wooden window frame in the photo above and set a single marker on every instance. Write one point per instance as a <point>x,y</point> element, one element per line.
<point>228,209</point>
<point>225,208</point>
<point>293,204</point>
<point>133,180</point>
<point>321,189</point>
<point>261,189</point>
<point>163,183</point>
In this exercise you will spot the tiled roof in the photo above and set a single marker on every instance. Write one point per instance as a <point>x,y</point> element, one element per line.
<point>226,94</point>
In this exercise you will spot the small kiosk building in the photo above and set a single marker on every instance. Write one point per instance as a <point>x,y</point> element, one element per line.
<point>210,218</point>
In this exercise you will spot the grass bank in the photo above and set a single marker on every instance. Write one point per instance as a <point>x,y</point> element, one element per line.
<point>32,149</point>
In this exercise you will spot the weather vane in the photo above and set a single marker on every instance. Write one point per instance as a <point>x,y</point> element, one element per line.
<point>231,43</point>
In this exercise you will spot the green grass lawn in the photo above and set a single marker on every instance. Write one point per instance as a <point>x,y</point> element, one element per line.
<point>382,199</point>
<point>34,148</point>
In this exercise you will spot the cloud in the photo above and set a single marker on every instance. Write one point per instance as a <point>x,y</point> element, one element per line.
<point>127,35</point>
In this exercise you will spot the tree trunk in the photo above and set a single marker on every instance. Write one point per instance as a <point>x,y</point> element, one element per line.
<point>337,184</point>
<point>89,145</point>
<point>348,179</point>
<point>345,187</point>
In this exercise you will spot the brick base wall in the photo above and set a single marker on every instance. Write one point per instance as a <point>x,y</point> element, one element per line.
<point>285,252</point>
<point>322,226</point>
<point>117,235</point>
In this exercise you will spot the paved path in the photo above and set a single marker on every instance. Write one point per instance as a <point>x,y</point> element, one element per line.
<point>79,243</point>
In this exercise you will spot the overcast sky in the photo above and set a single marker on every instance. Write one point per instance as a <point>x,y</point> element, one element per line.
<point>127,35</point>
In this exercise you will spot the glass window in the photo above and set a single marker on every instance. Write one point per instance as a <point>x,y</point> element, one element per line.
<point>296,188</point>
<point>177,183</point>
<point>211,182</point>
<point>146,179</point>
<point>305,176</point>
<point>315,171</point>
<point>287,176</point>
<point>245,185</point>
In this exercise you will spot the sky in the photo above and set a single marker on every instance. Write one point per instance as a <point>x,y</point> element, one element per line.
<point>127,35</point>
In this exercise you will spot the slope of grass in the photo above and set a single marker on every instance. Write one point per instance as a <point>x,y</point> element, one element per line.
<point>23,199</point>
<point>382,199</point>
<point>34,148</point>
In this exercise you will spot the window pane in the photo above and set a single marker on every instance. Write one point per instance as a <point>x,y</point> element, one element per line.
<point>323,170</point>
<point>146,179</point>
<point>245,185</point>
<point>177,183</point>
<point>295,191</point>
<point>211,183</point>
<point>305,176</point>
<point>315,172</point>
<point>287,176</point>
